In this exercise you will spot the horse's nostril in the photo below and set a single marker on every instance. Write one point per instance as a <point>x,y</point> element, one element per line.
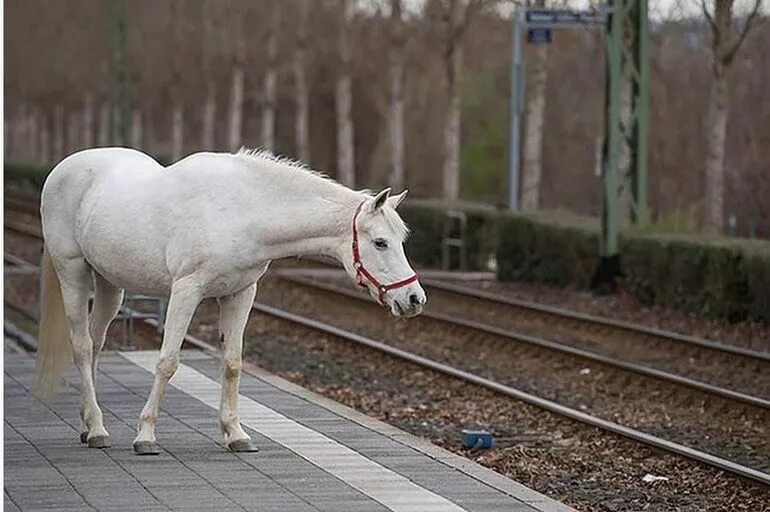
<point>414,300</point>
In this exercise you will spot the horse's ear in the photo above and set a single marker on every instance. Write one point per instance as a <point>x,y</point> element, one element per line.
<point>379,200</point>
<point>396,200</point>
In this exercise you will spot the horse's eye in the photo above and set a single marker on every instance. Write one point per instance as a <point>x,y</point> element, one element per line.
<point>380,243</point>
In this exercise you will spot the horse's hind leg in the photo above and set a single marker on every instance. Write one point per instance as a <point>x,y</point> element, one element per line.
<point>75,276</point>
<point>107,300</point>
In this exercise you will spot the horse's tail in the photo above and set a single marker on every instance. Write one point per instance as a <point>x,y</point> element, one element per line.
<point>54,351</point>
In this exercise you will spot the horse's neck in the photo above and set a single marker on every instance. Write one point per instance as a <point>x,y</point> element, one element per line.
<point>312,225</point>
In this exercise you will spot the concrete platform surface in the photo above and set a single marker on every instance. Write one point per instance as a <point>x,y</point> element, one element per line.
<point>314,454</point>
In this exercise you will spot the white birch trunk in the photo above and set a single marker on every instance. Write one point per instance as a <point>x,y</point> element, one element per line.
<point>34,150</point>
<point>20,130</point>
<point>533,138</point>
<point>301,127</point>
<point>87,136</point>
<point>177,132</point>
<point>271,78</point>
<point>451,174</point>
<point>236,110</point>
<point>45,141</point>
<point>136,128</point>
<point>104,125</point>
<point>235,118</point>
<point>8,138</point>
<point>396,114</point>
<point>344,102</point>
<point>210,101</point>
<point>73,132</point>
<point>58,133</point>
<point>715,156</point>
<point>209,117</point>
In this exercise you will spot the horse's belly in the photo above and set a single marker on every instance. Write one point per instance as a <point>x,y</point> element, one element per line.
<point>126,262</point>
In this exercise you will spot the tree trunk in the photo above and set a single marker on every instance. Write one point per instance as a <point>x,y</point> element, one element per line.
<point>271,78</point>
<point>236,109</point>
<point>235,127</point>
<point>87,136</point>
<point>20,129</point>
<point>396,114</point>
<point>344,101</point>
<point>177,132</point>
<point>533,138</point>
<point>209,117</point>
<point>45,141</point>
<point>74,131</point>
<point>452,70</point>
<point>136,128</point>
<point>451,181</point>
<point>208,123</point>
<point>715,156</point>
<point>104,124</point>
<point>301,126</point>
<point>58,133</point>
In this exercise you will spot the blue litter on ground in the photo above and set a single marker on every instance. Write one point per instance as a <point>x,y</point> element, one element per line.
<point>477,439</point>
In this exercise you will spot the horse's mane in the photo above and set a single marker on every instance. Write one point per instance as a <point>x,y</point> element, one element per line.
<point>296,167</point>
<point>265,156</point>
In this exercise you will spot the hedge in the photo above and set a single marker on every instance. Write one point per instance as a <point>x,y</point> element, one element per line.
<point>723,278</point>
<point>21,172</point>
<point>426,221</point>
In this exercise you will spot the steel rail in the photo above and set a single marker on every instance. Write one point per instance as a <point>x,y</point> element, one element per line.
<point>553,345</point>
<point>593,319</point>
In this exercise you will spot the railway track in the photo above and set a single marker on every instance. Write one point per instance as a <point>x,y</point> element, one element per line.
<point>454,372</point>
<point>689,356</point>
<point>434,364</point>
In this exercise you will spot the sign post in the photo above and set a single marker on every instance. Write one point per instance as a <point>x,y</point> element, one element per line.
<point>539,23</point>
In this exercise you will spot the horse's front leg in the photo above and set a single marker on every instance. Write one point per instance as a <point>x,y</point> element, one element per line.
<point>234,312</point>
<point>185,297</point>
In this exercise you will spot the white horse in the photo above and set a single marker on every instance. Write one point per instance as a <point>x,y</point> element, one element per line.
<point>206,226</point>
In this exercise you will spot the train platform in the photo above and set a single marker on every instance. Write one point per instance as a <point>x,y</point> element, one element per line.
<point>314,454</point>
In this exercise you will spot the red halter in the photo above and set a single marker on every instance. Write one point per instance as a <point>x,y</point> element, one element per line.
<point>362,273</point>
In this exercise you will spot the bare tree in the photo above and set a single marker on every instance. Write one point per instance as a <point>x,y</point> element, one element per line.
<point>271,78</point>
<point>532,170</point>
<point>58,133</point>
<point>88,121</point>
<point>724,46</point>
<point>45,140</point>
<point>456,15</point>
<point>177,98</point>
<point>210,102</point>
<point>396,114</point>
<point>344,98</point>
<point>302,104</point>
<point>136,128</point>
<point>104,126</point>
<point>234,132</point>
<point>74,131</point>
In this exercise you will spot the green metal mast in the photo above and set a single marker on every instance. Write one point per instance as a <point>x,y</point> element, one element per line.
<point>627,46</point>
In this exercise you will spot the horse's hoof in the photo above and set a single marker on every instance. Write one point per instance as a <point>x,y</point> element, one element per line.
<point>97,441</point>
<point>84,437</point>
<point>146,448</point>
<point>242,445</point>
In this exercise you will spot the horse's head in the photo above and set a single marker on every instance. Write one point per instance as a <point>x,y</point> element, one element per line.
<point>378,261</point>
